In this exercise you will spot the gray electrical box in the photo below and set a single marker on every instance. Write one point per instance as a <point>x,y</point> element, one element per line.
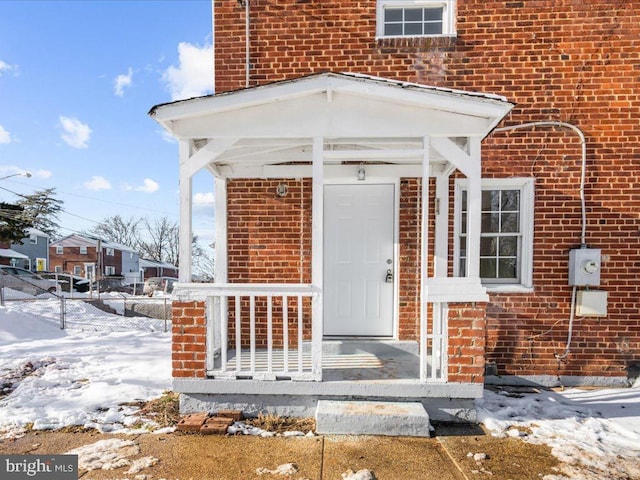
<point>584,267</point>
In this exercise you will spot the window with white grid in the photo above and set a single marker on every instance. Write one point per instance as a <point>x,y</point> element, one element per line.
<point>417,18</point>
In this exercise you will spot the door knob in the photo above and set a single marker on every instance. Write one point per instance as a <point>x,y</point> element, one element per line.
<point>389,276</point>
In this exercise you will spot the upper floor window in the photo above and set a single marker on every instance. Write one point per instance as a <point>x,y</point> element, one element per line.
<point>506,238</point>
<point>83,250</point>
<point>59,249</point>
<point>33,240</point>
<point>110,252</point>
<point>415,18</point>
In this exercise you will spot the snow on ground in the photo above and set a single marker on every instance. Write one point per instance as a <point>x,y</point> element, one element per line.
<point>52,378</point>
<point>595,433</point>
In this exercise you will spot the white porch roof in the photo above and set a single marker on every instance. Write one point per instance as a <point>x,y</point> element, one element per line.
<point>360,118</point>
<point>324,125</point>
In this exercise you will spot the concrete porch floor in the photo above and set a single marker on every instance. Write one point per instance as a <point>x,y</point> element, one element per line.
<point>342,360</point>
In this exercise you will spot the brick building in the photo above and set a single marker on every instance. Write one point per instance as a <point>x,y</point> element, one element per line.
<point>94,258</point>
<point>521,254</point>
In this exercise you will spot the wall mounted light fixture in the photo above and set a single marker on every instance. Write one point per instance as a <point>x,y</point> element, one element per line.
<point>282,190</point>
<point>362,174</point>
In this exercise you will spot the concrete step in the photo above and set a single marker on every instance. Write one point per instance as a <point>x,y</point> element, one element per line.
<point>372,418</point>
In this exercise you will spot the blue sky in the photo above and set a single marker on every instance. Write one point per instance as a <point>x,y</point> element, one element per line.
<point>77,79</point>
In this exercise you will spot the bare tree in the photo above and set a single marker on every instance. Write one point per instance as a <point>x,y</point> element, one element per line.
<point>162,240</point>
<point>203,261</point>
<point>120,230</point>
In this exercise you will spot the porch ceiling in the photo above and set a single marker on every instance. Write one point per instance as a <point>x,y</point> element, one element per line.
<point>360,118</point>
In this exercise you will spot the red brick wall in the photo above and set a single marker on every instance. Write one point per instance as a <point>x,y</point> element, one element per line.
<point>71,257</point>
<point>574,61</point>
<point>269,242</point>
<point>466,342</point>
<point>188,354</point>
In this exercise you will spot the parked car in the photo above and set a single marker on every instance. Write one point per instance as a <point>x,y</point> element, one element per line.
<point>159,284</point>
<point>118,284</point>
<point>25,281</point>
<point>136,288</point>
<point>65,281</point>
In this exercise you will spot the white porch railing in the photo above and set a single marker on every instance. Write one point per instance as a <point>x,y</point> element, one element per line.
<point>285,355</point>
<point>433,346</point>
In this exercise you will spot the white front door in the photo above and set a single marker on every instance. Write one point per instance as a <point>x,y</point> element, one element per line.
<point>358,254</point>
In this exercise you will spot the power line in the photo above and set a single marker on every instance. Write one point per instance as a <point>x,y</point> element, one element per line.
<point>94,199</point>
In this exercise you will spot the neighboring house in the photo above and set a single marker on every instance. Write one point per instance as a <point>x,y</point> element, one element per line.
<point>153,268</point>
<point>36,247</point>
<point>92,257</point>
<point>9,256</point>
<point>520,254</point>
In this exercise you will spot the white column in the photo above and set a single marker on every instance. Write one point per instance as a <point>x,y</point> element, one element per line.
<point>441,247</point>
<point>424,260</point>
<point>220,324</point>
<point>186,235</point>
<point>317,262</point>
<point>221,250</point>
<point>474,209</point>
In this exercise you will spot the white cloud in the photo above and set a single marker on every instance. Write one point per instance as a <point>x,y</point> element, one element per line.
<point>97,183</point>
<point>203,199</point>
<point>6,68</point>
<point>41,173</point>
<point>77,134</point>
<point>148,186</point>
<point>203,204</point>
<point>5,137</point>
<point>194,75</point>
<point>122,81</point>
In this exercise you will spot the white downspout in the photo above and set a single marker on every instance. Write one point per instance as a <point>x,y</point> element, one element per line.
<point>213,42</point>
<point>247,43</point>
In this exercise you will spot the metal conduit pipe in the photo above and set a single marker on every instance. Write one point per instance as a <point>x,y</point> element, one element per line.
<point>583,235</point>
<point>583,144</point>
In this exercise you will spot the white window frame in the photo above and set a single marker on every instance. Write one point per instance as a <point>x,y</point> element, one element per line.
<point>526,187</point>
<point>109,270</point>
<point>33,240</point>
<point>110,252</point>
<point>59,249</point>
<point>77,269</point>
<point>83,250</point>
<point>58,268</point>
<point>448,15</point>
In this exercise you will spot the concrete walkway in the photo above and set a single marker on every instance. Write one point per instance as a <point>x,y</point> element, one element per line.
<point>202,457</point>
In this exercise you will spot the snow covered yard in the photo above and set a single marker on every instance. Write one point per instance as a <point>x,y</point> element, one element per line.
<point>594,433</point>
<point>52,378</point>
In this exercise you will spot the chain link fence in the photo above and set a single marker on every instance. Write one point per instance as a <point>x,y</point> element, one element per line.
<point>88,312</point>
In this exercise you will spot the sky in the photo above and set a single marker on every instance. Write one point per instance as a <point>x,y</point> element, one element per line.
<point>77,80</point>
<point>83,374</point>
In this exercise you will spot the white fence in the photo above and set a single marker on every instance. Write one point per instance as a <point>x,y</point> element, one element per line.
<point>268,330</point>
